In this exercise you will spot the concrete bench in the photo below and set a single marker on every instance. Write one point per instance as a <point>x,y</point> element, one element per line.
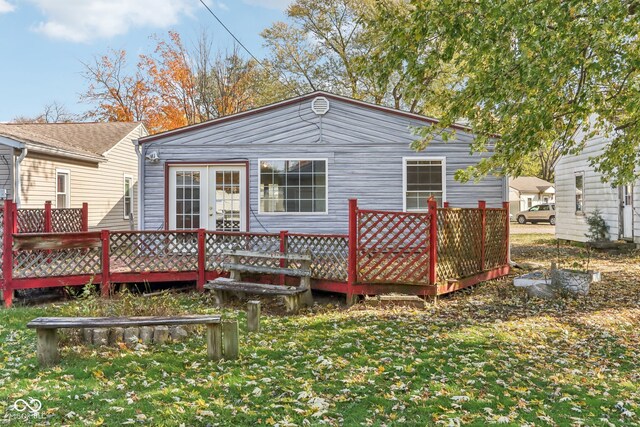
<point>293,296</point>
<point>217,332</point>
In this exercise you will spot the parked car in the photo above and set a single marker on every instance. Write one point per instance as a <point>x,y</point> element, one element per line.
<point>539,213</point>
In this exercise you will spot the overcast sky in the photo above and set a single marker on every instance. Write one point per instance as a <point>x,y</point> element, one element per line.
<point>44,42</point>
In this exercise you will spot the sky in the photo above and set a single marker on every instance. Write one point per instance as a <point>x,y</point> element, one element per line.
<point>45,42</point>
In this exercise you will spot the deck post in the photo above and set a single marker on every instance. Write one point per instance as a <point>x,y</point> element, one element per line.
<point>202,259</point>
<point>85,217</point>
<point>433,240</point>
<point>105,286</point>
<point>14,219</point>
<point>214,341</point>
<point>284,235</point>
<point>47,348</point>
<point>7,254</point>
<point>505,206</point>
<point>230,339</point>
<point>48,228</point>
<point>253,316</point>
<point>352,267</point>
<point>482,205</point>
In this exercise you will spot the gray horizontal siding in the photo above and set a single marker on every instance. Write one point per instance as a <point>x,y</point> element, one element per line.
<point>364,148</point>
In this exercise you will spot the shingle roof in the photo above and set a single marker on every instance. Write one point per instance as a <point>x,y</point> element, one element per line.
<point>82,138</point>
<point>530,184</point>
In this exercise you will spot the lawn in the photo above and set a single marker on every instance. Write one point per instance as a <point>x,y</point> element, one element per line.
<point>482,356</point>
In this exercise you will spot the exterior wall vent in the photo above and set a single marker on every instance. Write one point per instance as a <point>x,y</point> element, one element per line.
<point>320,105</point>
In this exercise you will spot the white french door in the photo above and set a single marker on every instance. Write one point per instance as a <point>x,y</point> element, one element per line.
<point>227,198</point>
<point>211,197</point>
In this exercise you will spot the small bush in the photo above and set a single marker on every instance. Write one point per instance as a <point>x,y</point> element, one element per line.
<point>125,304</point>
<point>598,230</point>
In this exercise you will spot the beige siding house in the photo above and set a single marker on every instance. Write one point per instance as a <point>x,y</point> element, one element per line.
<point>72,163</point>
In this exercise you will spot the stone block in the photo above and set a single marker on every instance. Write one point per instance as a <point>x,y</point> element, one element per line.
<point>131,337</point>
<point>160,334</point>
<point>146,334</point>
<point>116,335</point>
<point>178,333</point>
<point>101,336</point>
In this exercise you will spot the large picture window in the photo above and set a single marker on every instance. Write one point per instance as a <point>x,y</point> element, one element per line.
<point>424,178</point>
<point>293,186</point>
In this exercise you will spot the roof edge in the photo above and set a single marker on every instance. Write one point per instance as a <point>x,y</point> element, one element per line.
<point>293,100</point>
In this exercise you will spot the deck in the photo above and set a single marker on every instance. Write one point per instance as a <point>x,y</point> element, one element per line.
<point>413,253</point>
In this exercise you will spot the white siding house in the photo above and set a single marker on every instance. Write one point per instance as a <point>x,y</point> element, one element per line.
<point>528,191</point>
<point>580,191</point>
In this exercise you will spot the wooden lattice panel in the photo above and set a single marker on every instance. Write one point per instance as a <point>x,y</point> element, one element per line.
<point>151,251</point>
<point>496,238</point>
<point>329,254</point>
<point>30,220</point>
<point>459,243</point>
<point>393,247</point>
<point>55,263</point>
<point>66,220</point>
<point>218,242</point>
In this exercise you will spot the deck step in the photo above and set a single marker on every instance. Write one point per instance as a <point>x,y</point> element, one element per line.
<point>225,284</point>
<point>266,270</point>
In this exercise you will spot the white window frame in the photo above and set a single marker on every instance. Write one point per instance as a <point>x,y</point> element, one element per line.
<point>125,177</point>
<point>326,184</point>
<point>443,161</point>
<point>67,172</point>
<point>575,189</point>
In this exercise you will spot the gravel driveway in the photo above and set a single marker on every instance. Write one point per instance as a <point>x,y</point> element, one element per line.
<point>541,228</point>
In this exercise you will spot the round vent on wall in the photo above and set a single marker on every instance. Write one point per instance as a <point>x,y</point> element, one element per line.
<point>320,105</point>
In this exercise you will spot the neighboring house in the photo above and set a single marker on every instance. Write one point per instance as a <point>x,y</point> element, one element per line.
<point>528,191</point>
<point>580,191</point>
<point>293,166</point>
<point>72,163</point>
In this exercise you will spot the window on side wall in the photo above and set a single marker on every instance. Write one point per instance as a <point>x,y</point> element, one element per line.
<point>293,186</point>
<point>424,178</point>
<point>579,191</point>
<point>62,189</point>
<point>128,196</point>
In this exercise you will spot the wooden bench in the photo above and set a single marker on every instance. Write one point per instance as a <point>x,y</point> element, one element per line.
<point>217,331</point>
<point>293,296</point>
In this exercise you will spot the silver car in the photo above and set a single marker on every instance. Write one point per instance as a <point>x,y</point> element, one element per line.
<point>545,212</point>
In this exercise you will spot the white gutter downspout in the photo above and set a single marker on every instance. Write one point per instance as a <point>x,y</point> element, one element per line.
<point>18,183</point>
<point>136,143</point>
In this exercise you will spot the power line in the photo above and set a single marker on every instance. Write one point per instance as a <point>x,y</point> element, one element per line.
<point>230,33</point>
<point>279,73</point>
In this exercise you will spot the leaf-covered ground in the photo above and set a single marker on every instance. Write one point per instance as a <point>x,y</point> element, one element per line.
<point>482,356</point>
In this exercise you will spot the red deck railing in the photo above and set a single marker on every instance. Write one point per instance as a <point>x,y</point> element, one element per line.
<point>419,253</point>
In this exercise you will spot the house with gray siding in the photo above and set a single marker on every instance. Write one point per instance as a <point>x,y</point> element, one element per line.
<point>293,165</point>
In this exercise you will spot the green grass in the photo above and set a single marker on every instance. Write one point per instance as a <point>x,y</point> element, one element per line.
<point>482,356</point>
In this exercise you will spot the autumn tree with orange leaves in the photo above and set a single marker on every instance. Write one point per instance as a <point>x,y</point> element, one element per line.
<point>175,86</point>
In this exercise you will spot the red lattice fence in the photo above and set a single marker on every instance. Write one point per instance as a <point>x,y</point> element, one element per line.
<point>428,248</point>
<point>48,220</point>
<point>382,250</point>
<point>393,247</point>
